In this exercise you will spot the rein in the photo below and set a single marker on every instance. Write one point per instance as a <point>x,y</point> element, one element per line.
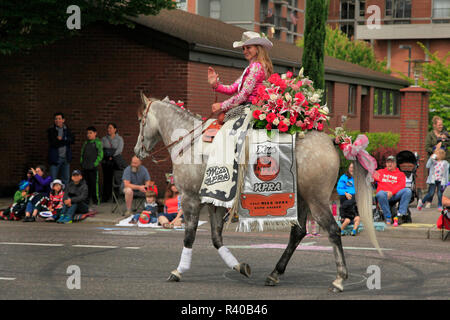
<point>143,148</point>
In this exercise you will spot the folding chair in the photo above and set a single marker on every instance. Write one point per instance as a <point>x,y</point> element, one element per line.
<point>119,198</point>
<point>445,224</point>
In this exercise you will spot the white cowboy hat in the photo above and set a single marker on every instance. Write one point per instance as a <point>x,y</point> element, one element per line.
<point>253,38</point>
<point>58,182</point>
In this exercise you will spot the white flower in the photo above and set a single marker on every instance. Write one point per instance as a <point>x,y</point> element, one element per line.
<point>315,98</point>
<point>324,110</point>
<point>300,74</point>
<point>288,96</point>
<point>283,76</point>
<point>262,116</point>
<point>273,97</point>
<point>276,121</point>
<point>287,122</point>
<point>301,134</point>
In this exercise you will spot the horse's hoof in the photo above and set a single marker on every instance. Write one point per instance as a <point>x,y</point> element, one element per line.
<point>175,276</point>
<point>271,281</point>
<point>244,269</point>
<point>335,288</point>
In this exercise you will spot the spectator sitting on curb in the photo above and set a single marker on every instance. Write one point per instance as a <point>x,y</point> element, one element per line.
<point>150,212</point>
<point>76,199</point>
<point>17,210</point>
<point>392,189</point>
<point>41,183</point>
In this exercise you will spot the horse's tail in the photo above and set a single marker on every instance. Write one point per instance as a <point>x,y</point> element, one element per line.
<point>364,202</point>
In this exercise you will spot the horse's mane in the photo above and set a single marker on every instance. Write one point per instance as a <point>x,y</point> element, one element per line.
<point>185,113</point>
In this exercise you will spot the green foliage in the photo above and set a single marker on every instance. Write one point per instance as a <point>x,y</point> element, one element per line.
<point>25,25</point>
<point>313,53</point>
<point>436,76</point>
<point>339,46</point>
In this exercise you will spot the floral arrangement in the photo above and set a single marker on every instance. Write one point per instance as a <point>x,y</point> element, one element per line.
<point>289,105</point>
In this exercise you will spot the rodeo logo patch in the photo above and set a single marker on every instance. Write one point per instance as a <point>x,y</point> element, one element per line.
<point>216,175</point>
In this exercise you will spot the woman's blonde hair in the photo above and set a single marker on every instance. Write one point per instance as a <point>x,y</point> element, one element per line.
<point>263,58</point>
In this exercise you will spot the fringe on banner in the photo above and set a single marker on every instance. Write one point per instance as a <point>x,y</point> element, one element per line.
<point>262,224</point>
<point>242,170</point>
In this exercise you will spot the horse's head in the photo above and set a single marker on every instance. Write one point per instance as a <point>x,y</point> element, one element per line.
<point>149,129</point>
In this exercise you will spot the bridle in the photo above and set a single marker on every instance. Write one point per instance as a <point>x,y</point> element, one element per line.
<point>152,155</point>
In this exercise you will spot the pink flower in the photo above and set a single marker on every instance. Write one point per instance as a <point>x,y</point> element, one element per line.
<point>270,117</point>
<point>274,78</point>
<point>256,114</point>
<point>299,96</point>
<point>320,126</point>
<point>282,127</point>
<point>255,100</point>
<point>288,74</point>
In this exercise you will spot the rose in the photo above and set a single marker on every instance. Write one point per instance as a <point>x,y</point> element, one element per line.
<point>276,121</point>
<point>320,126</point>
<point>270,117</point>
<point>299,96</point>
<point>274,78</point>
<point>269,126</point>
<point>262,116</point>
<point>288,74</point>
<point>287,122</point>
<point>283,127</point>
<point>256,114</point>
<point>292,120</point>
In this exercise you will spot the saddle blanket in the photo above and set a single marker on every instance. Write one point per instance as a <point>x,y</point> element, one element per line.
<point>268,200</point>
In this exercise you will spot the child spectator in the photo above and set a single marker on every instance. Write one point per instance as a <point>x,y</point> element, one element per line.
<point>173,214</point>
<point>17,210</point>
<point>41,184</point>
<point>75,198</point>
<point>150,213</point>
<point>91,156</point>
<point>346,191</point>
<point>55,202</point>
<point>437,178</point>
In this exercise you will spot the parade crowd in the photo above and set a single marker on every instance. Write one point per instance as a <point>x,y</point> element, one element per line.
<point>59,195</point>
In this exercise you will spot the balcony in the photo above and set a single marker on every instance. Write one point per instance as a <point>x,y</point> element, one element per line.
<point>404,31</point>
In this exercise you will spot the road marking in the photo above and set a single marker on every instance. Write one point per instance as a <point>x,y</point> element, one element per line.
<point>8,279</point>
<point>132,248</point>
<point>93,246</point>
<point>306,246</point>
<point>34,244</point>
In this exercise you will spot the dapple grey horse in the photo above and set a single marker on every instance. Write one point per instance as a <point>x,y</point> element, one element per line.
<point>317,170</point>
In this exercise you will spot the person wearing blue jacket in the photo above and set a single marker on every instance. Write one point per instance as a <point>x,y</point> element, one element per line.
<point>346,191</point>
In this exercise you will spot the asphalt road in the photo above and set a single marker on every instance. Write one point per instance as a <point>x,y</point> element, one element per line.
<point>37,262</point>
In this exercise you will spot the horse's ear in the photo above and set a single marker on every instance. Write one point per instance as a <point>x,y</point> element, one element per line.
<point>144,100</point>
<point>166,99</point>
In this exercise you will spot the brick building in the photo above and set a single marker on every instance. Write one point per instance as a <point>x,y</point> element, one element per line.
<point>96,77</point>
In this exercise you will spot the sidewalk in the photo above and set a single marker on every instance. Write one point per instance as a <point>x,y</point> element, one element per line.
<point>423,226</point>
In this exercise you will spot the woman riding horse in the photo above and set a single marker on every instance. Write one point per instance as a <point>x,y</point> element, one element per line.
<point>220,180</point>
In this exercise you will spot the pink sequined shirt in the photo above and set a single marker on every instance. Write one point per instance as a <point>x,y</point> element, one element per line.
<point>244,88</point>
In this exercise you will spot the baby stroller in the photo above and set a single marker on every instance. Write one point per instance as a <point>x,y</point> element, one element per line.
<point>408,163</point>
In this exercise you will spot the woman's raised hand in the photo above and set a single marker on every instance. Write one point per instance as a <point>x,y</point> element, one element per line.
<point>212,77</point>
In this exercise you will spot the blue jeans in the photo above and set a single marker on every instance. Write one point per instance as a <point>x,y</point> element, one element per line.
<point>404,196</point>
<point>80,207</point>
<point>61,170</point>
<point>431,189</point>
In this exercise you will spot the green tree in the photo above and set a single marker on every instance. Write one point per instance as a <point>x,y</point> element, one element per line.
<point>32,23</point>
<point>313,53</point>
<point>436,78</point>
<point>339,46</point>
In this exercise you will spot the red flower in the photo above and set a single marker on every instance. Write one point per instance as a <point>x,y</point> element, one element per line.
<point>270,117</point>
<point>288,74</point>
<point>256,114</point>
<point>274,78</point>
<point>292,120</point>
<point>299,96</point>
<point>255,100</point>
<point>282,127</point>
<point>269,126</point>
<point>261,90</point>
<point>320,126</point>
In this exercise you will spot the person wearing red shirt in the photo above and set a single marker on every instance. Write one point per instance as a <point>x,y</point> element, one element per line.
<point>391,189</point>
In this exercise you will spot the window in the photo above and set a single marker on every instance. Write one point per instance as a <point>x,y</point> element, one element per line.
<point>328,95</point>
<point>214,9</point>
<point>347,9</point>
<point>386,102</point>
<point>352,99</point>
<point>348,29</point>
<point>362,9</point>
<point>398,10</point>
<point>441,11</point>
<point>181,4</point>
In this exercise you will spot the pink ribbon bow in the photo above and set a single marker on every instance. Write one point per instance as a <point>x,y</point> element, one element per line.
<point>357,150</point>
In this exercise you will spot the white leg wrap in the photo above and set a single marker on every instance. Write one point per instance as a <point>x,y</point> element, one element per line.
<point>227,257</point>
<point>185,261</point>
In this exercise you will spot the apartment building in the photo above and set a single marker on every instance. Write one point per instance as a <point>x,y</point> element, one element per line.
<point>282,20</point>
<point>403,23</point>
